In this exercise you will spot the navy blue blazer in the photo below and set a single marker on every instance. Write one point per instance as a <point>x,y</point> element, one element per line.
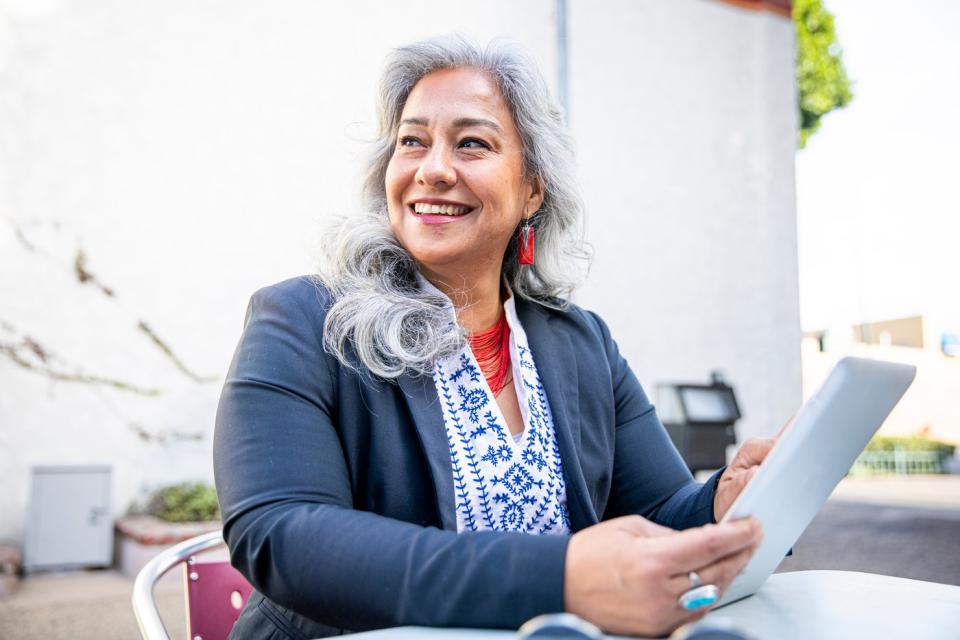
<point>337,492</point>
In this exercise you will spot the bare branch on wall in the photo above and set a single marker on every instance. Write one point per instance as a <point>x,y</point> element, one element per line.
<point>84,275</point>
<point>29,354</point>
<point>163,346</point>
<point>22,238</point>
<point>163,437</point>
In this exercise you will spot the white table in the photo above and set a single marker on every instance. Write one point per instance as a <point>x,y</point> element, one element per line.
<point>806,605</point>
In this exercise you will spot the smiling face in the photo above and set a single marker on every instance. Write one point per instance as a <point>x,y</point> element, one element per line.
<point>455,184</point>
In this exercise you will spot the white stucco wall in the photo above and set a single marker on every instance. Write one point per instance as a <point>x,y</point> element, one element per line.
<point>684,118</point>
<point>192,151</point>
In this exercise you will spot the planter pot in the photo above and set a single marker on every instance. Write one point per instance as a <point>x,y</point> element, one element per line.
<point>10,566</point>
<point>140,538</point>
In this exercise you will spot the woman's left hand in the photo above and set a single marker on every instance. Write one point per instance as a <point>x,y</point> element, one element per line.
<point>736,476</point>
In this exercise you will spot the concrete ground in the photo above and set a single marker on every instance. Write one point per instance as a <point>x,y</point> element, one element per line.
<point>906,542</point>
<point>907,527</point>
<point>85,605</point>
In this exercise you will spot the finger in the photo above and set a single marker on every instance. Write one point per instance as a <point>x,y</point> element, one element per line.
<point>743,479</point>
<point>730,489</point>
<point>700,547</point>
<point>721,574</point>
<point>753,451</point>
<point>760,447</point>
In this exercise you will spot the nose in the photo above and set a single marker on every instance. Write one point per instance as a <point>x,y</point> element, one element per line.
<point>436,169</point>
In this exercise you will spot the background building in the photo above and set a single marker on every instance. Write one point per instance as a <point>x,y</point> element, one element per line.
<point>930,407</point>
<point>158,164</point>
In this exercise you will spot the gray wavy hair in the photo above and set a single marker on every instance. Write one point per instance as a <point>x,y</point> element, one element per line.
<point>381,318</point>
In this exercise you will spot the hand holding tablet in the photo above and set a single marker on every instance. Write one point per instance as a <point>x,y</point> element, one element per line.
<point>741,470</point>
<point>809,459</point>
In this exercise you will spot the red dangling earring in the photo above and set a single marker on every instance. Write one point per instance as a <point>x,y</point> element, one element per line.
<point>525,244</point>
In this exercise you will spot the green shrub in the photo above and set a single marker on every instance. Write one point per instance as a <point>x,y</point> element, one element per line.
<point>910,443</point>
<point>185,502</point>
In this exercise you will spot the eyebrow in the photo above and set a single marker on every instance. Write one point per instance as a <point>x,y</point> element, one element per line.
<point>459,123</point>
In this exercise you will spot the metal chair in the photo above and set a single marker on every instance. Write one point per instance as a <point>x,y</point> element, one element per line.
<point>216,592</point>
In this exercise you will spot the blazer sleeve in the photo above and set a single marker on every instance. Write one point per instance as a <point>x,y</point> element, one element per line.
<point>287,503</point>
<point>649,476</point>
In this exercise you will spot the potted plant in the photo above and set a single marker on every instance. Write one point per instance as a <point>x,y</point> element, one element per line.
<point>11,564</point>
<point>171,514</point>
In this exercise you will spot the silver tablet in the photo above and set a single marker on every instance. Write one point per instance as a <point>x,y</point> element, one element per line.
<point>811,457</point>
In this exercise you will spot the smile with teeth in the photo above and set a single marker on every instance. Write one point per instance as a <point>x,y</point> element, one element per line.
<point>440,209</point>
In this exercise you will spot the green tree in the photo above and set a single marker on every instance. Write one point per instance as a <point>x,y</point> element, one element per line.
<point>822,83</point>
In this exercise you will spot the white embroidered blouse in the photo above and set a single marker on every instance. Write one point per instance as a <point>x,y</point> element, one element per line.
<point>502,483</point>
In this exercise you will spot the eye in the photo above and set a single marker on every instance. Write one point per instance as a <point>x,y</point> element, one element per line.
<point>473,143</point>
<point>408,141</point>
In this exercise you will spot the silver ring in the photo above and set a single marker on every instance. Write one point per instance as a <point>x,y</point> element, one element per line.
<point>698,595</point>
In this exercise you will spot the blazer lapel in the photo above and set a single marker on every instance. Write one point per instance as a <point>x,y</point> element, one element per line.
<point>421,397</point>
<point>555,358</point>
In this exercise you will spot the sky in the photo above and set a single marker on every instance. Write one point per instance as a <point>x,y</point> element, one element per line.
<point>878,187</point>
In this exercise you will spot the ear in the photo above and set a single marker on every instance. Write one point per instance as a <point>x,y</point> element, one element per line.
<point>535,196</point>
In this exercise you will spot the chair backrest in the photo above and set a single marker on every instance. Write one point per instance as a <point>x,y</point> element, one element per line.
<point>216,593</point>
<point>214,597</point>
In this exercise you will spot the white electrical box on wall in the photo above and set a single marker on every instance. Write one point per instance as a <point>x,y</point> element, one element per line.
<point>70,523</point>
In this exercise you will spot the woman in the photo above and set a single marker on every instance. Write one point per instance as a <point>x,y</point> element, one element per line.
<point>430,434</point>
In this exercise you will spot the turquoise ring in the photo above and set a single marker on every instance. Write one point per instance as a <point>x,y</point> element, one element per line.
<point>699,595</point>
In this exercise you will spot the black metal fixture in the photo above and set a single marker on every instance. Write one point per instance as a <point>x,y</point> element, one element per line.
<point>700,420</point>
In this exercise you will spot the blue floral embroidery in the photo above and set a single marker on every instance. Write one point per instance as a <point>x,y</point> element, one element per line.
<point>472,401</point>
<point>533,458</point>
<point>466,367</point>
<point>490,422</point>
<point>497,455</point>
<point>500,484</point>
